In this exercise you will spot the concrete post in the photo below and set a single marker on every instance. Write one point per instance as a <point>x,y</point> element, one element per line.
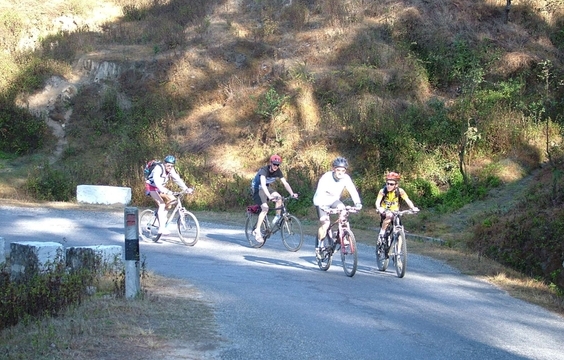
<point>2,251</point>
<point>132,274</point>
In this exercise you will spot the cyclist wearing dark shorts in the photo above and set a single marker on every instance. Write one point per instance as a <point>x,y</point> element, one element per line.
<point>262,191</point>
<point>388,200</point>
<point>329,190</point>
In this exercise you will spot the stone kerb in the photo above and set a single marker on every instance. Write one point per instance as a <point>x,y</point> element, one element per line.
<point>96,257</point>
<point>28,258</point>
<point>103,194</point>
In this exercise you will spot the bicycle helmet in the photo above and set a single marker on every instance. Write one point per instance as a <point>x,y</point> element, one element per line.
<point>393,176</point>
<point>275,159</point>
<point>169,159</point>
<point>340,162</point>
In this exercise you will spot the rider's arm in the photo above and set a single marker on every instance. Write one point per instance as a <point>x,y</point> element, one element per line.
<point>407,200</point>
<point>264,187</point>
<point>378,203</point>
<point>287,186</point>
<point>177,179</point>
<point>353,192</point>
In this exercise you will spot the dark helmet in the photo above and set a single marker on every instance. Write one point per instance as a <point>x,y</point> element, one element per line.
<point>340,162</point>
<point>275,159</point>
<point>393,176</point>
<point>169,159</point>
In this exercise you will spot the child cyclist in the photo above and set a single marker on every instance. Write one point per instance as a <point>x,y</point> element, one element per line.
<point>388,200</point>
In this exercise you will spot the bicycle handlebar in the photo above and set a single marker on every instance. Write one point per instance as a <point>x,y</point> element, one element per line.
<point>276,198</point>
<point>333,211</point>
<point>403,212</point>
<point>184,192</point>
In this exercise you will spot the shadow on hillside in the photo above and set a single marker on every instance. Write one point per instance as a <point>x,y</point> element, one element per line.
<point>131,119</point>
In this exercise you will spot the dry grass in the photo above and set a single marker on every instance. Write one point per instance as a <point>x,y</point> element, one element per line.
<point>169,321</point>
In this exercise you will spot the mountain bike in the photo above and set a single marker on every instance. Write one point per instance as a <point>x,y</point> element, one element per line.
<point>186,222</point>
<point>289,226</point>
<point>394,245</point>
<point>339,237</point>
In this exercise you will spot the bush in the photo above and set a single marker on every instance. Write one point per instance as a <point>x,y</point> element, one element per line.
<point>50,184</point>
<point>20,132</point>
<point>43,294</point>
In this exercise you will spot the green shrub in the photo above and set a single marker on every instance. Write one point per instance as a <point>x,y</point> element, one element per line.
<point>50,184</point>
<point>20,132</point>
<point>43,294</point>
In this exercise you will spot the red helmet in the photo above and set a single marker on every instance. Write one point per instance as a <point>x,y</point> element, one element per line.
<point>393,176</point>
<point>275,159</point>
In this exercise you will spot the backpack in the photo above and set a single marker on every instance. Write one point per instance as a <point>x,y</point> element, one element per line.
<point>148,170</point>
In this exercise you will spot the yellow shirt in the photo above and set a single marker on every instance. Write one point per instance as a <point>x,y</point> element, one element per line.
<point>390,201</point>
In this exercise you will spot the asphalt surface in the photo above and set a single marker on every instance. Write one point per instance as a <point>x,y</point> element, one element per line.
<point>274,304</point>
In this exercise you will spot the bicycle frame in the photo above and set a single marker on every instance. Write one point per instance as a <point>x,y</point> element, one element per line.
<point>394,236</point>
<point>187,223</point>
<point>342,225</point>
<point>288,223</point>
<point>344,237</point>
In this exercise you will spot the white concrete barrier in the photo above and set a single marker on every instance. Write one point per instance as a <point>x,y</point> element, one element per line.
<point>95,257</point>
<point>27,258</point>
<point>103,194</point>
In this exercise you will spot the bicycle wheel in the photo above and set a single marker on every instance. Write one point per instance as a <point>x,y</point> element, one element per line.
<point>400,254</point>
<point>149,225</point>
<point>250,226</point>
<point>382,260</point>
<point>327,255</point>
<point>349,256</point>
<point>292,234</point>
<point>188,228</point>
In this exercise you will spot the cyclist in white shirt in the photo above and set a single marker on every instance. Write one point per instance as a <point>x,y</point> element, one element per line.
<point>155,186</point>
<point>329,190</point>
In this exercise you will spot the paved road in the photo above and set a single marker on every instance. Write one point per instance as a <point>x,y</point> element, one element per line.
<point>274,304</point>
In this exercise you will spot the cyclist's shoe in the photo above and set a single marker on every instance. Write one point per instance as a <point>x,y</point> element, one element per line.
<point>380,240</point>
<point>164,231</point>
<point>275,220</point>
<point>258,236</point>
<point>318,253</point>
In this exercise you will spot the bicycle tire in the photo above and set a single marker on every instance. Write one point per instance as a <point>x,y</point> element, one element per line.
<point>292,233</point>
<point>400,254</point>
<point>327,255</point>
<point>250,225</point>
<point>148,225</point>
<point>381,260</point>
<point>188,228</point>
<point>349,255</point>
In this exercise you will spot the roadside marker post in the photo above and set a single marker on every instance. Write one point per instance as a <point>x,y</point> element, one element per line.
<point>132,273</point>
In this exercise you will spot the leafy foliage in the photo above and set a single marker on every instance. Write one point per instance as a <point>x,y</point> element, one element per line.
<point>20,132</point>
<point>528,237</point>
<point>50,184</point>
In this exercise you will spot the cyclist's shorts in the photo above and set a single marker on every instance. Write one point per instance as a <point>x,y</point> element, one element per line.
<point>149,188</point>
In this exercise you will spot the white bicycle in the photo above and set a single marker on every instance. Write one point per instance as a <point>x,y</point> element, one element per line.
<point>186,223</point>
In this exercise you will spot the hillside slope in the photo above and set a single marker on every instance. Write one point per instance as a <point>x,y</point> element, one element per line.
<point>446,92</point>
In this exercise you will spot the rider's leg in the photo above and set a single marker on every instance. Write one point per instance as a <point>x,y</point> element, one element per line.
<point>324,222</point>
<point>260,199</point>
<point>278,204</point>
<point>385,221</point>
<point>161,212</point>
